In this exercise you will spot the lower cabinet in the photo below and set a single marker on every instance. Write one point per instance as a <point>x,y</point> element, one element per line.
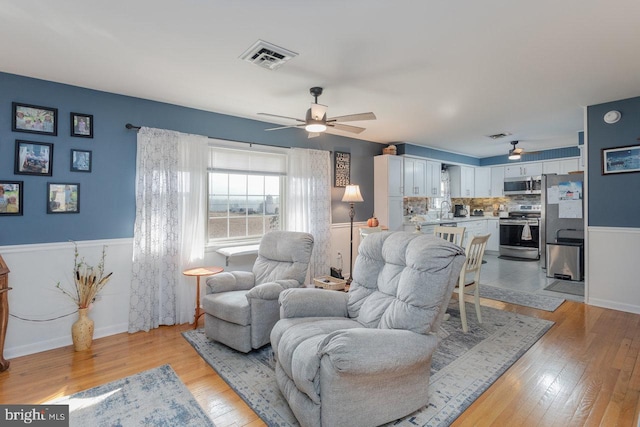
<point>493,227</point>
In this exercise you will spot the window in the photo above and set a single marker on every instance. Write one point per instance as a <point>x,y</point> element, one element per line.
<point>246,193</point>
<point>243,205</point>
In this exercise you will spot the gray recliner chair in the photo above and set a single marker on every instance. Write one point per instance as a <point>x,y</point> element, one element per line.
<point>363,358</point>
<point>241,307</point>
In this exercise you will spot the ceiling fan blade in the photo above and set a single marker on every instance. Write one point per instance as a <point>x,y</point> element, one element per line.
<point>281,117</point>
<point>353,117</point>
<point>346,128</point>
<point>284,127</point>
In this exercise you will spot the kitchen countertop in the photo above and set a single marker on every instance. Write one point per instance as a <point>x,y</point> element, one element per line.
<point>450,220</point>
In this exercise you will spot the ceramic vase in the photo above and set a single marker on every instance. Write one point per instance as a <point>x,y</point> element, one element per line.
<point>82,331</point>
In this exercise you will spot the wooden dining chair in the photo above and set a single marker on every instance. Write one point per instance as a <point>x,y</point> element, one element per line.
<point>472,266</point>
<point>454,235</point>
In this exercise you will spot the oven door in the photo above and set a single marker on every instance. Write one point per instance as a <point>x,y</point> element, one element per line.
<point>511,242</point>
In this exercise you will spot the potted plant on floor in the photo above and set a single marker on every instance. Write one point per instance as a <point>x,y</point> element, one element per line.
<point>88,281</point>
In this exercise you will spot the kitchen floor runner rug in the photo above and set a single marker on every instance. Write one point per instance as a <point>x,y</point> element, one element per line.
<point>541,302</point>
<point>155,397</point>
<point>573,288</point>
<point>463,367</point>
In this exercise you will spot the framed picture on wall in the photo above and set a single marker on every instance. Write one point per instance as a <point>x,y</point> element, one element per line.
<point>63,198</point>
<point>621,159</point>
<point>34,119</point>
<point>82,125</point>
<point>10,197</point>
<point>33,158</point>
<point>341,169</point>
<point>80,160</point>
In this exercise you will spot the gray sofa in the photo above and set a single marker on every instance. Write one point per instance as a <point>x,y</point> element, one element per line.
<point>241,307</point>
<point>363,358</point>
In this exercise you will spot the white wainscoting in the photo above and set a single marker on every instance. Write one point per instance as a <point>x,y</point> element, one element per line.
<point>613,268</point>
<point>34,272</point>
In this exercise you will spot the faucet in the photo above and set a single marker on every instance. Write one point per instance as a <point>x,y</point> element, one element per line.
<point>444,202</point>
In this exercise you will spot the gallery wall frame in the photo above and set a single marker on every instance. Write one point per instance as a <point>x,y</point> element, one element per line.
<point>617,160</point>
<point>81,160</point>
<point>33,158</point>
<point>34,119</point>
<point>81,125</point>
<point>63,197</point>
<point>11,196</point>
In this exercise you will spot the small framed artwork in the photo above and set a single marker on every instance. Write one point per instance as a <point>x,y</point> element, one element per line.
<point>82,125</point>
<point>80,160</point>
<point>63,198</point>
<point>33,158</point>
<point>341,169</point>
<point>10,197</point>
<point>621,159</point>
<point>34,119</point>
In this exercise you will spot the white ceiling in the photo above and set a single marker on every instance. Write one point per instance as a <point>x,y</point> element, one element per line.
<point>442,74</point>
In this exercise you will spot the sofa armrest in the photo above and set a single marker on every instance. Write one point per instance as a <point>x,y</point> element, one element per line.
<point>364,351</point>
<point>230,281</point>
<point>302,302</point>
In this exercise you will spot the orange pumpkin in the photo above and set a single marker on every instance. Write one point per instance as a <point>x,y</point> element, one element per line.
<point>372,222</point>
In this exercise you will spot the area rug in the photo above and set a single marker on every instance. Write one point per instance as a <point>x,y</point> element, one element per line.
<point>541,302</point>
<point>463,367</point>
<point>151,398</point>
<point>573,288</point>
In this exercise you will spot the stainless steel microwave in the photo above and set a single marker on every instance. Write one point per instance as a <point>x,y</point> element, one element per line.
<point>523,185</point>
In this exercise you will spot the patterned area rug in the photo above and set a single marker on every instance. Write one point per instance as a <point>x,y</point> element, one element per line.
<point>464,366</point>
<point>152,398</point>
<point>541,302</point>
<point>573,288</point>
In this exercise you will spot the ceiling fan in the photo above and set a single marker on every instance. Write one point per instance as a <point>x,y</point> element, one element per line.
<point>517,153</point>
<point>316,120</point>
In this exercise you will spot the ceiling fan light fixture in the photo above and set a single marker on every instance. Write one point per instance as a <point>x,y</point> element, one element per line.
<point>513,155</point>
<point>315,126</point>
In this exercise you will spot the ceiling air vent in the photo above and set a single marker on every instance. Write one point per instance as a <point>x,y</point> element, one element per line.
<point>267,55</point>
<point>499,135</point>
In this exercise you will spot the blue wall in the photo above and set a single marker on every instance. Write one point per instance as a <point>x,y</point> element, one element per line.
<point>107,202</point>
<point>614,200</point>
<point>556,153</point>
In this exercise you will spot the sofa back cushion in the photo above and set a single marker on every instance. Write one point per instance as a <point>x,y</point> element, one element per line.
<point>403,280</point>
<point>283,255</point>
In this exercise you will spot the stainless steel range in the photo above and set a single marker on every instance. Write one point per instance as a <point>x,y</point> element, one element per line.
<point>520,232</point>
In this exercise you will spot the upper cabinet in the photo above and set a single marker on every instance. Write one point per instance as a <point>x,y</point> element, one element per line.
<point>462,181</point>
<point>482,182</point>
<point>415,177</point>
<point>434,176</point>
<point>523,169</point>
<point>561,167</point>
<point>497,181</point>
<point>388,176</point>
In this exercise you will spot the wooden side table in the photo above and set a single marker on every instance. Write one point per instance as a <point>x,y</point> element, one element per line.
<point>199,272</point>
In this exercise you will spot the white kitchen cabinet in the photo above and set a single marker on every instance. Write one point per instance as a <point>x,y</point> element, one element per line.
<point>482,182</point>
<point>434,177</point>
<point>462,181</point>
<point>561,167</point>
<point>523,169</point>
<point>388,190</point>
<point>493,227</point>
<point>497,181</point>
<point>415,177</point>
<point>473,228</point>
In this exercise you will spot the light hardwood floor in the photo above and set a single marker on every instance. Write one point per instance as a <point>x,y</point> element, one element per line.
<point>585,371</point>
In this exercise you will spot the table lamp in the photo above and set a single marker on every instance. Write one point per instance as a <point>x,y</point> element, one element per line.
<point>351,196</point>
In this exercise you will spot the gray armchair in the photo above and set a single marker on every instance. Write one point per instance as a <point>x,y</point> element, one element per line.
<point>363,358</point>
<point>241,307</point>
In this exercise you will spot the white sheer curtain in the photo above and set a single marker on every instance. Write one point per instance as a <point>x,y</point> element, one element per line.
<point>169,229</point>
<point>309,203</point>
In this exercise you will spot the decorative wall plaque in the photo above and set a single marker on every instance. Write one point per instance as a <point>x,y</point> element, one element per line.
<point>342,169</point>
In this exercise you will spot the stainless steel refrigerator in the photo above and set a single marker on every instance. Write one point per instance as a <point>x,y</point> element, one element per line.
<point>562,226</point>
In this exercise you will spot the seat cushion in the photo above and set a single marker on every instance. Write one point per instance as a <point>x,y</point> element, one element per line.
<point>230,306</point>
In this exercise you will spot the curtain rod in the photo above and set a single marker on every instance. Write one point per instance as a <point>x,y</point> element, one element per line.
<point>137,128</point>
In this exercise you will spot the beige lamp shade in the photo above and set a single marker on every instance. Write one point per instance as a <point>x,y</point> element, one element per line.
<point>352,194</point>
